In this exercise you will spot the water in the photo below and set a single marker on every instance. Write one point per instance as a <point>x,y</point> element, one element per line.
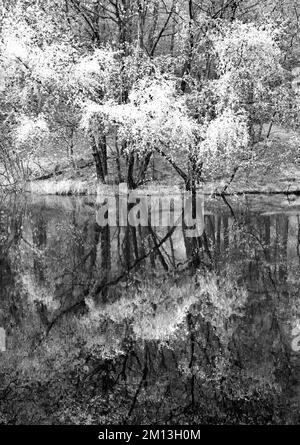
<point>144,325</point>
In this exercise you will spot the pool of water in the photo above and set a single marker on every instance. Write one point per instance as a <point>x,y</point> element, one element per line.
<point>145,325</point>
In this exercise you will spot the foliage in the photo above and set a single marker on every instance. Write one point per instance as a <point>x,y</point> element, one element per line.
<point>133,94</point>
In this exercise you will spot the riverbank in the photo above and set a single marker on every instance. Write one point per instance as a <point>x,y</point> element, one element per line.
<point>283,181</point>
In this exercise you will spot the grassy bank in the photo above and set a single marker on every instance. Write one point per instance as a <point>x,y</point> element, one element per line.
<point>64,187</point>
<point>287,182</point>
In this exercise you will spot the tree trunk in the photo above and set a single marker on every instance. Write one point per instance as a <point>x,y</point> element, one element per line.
<point>97,158</point>
<point>130,179</point>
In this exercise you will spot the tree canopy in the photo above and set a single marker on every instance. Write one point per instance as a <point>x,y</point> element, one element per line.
<point>199,83</point>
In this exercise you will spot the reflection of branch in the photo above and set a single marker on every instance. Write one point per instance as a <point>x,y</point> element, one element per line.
<point>143,379</point>
<point>67,270</point>
<point>99,287</point>
<point>230,208</point>
<point>260,192</point>
<point>298,238</point>
<point>161,257</point>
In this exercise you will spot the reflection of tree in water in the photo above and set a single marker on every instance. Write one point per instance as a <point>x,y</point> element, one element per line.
<point>144,325</point>
<point>11,216</point>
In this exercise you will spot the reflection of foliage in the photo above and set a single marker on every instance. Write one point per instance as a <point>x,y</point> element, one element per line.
<point>38,293</point>
<point>110,347</point>
<point>157,313</point>
<point>164,347</point>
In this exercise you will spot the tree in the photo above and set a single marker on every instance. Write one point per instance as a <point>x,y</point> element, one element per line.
<point>224,69</point>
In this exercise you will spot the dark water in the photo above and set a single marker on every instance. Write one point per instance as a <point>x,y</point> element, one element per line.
<point>144,325</point>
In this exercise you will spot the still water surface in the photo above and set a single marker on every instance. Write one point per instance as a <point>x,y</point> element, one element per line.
<point>144,325</point>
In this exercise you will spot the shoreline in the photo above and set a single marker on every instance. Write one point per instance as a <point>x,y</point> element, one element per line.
<point>81,188</point>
